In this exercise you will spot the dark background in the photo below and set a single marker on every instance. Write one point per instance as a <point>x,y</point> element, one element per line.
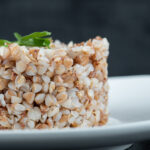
<point>126,24</point>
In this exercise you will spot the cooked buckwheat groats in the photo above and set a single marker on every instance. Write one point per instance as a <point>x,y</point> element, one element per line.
<point>55,87</point>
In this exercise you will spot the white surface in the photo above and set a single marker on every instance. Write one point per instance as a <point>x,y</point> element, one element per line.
<point>129,99</point>
<point>129,104</point>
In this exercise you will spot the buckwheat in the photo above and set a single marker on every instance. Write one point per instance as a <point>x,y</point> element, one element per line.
<point>29,97</point>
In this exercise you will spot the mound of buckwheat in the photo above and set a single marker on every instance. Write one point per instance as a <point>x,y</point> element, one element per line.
<point>63,85</point>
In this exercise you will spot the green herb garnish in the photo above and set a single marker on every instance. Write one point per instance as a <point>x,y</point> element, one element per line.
<point>34,39</point>
<point>4,42</point>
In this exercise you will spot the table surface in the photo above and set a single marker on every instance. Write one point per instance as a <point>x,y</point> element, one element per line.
<point>136,146</point>
<point>140,146</point>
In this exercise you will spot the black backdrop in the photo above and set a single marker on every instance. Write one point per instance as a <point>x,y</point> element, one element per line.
<point>126,24</point>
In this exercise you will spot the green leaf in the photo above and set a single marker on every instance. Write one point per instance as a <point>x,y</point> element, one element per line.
<point>47,43</point>
<point>17,36</point>
<point>36,35</point>
<point>33,39</point>
<point>3,42</point>
<point>41,42</point>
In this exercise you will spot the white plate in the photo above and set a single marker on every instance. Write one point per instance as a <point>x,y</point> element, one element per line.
<point>129,102</point>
